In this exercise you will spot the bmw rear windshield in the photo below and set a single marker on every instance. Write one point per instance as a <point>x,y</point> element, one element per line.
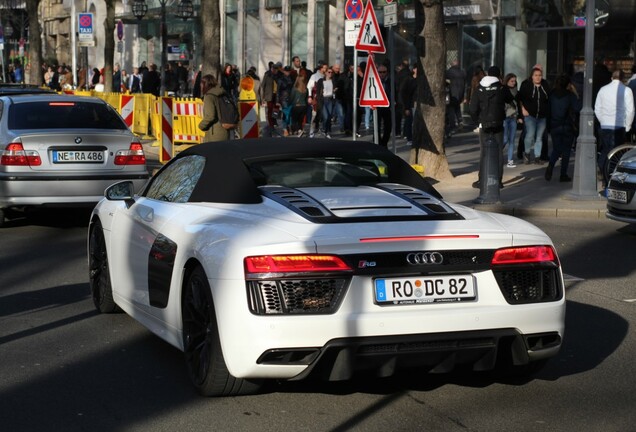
<point>63,115</point>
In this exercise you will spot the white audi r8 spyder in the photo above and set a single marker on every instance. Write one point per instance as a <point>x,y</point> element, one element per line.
<point>284,259</point>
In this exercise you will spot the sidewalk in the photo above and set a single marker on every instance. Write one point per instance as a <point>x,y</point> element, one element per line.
<point>525,192</point>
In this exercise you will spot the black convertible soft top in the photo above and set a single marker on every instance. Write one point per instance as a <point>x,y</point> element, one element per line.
<point>226,177</point>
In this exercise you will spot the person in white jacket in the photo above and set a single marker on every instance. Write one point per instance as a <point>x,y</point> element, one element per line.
<point>614,109</point>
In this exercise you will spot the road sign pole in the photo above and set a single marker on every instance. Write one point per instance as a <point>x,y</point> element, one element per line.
<point>74,43</point>
<point>376,132</point>
<point>355,93</point>
<point>392,93</point>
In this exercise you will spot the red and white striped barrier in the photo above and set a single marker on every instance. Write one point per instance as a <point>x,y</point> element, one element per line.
<point>167,144</point>
<point>127,109</point>
<point>188,108</point>
<point>187,138</point>
<point>248,110</point>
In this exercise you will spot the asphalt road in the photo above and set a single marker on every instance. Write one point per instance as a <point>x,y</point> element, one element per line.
<point>63,367</point>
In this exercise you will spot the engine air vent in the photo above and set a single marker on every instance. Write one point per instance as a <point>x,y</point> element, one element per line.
<point>423,200</point>
<point>297,200</point>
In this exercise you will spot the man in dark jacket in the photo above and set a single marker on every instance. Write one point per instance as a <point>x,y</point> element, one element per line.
<point>488,108</point>
<point>456,78</point>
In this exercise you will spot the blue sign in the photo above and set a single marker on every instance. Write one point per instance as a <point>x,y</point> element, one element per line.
<point>353,9</point>
<point>85,21</point>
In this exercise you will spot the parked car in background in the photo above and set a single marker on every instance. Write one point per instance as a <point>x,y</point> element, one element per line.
<point>16,89</point>
<point>285,259</point>
<point>621,205</point>
<point>59,150</point>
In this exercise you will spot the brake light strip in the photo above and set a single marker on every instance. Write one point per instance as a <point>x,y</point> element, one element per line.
<point>416,238</point>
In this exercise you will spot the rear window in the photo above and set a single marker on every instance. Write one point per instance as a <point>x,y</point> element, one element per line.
<point>309,172</point>
<point>63,115</point>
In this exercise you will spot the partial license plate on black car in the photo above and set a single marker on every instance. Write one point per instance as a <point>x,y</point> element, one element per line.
<point>79,156</point>
<point>429,289</point>
<point>617,195</point>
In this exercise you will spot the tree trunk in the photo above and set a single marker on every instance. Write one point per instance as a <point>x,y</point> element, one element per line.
<point>428,134</point>
<point>211,37</point>
<point>109,45</point>
<point>36,76</point>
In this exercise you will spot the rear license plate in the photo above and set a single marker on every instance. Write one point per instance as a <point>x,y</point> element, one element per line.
<point>617,195</point>
<point>79,156</point>
<point>416,290</point>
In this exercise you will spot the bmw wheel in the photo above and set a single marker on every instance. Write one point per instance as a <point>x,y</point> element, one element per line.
<point>1,218</point>
<point>99,273</point>
<point>202,347</point>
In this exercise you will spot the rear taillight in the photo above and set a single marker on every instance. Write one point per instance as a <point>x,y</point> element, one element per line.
<point>294,264</point>
<point>133,156</point>
<point>524,255</point>
<point>15,155</point>
<point>296,284</point>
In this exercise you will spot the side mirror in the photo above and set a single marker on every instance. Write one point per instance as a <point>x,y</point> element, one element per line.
<point>122,191</point>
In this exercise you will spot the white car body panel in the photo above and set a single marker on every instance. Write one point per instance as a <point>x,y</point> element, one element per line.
<point>204,233</point>
<point>219,236</point>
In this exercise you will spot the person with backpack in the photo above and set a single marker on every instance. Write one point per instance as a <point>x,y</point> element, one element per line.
<point>488,110</point>
<point>211,123</point>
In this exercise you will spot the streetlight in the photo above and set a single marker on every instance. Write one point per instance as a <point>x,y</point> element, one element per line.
<point>185,10</point>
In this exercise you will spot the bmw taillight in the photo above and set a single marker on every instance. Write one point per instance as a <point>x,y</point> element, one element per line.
<point>133,156</point>
<point>296,284</point>
<point>15,155</point>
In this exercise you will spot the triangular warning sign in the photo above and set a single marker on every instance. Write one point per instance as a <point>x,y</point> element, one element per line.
<point>372,94</point>
<point>370,38</point>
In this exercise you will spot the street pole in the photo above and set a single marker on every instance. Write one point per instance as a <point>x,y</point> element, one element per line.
<point>584,183</point>
<point>392,89</point>
<point>164,45</point>
<point>354,115</point>
<point>74,42</point>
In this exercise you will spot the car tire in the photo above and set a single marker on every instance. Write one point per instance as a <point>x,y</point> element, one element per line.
<point>202,346</point>
<point>613,157</point>
<point>99,272</point>
<point>2,214</point>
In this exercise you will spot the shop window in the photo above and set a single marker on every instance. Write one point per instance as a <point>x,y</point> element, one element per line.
<point>298,40</point>
<point>478,46</point>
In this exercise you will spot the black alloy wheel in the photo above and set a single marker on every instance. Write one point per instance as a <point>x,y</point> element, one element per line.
<point>202,346</point>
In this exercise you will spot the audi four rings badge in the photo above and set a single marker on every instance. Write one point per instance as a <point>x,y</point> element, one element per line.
<point>417,258</point>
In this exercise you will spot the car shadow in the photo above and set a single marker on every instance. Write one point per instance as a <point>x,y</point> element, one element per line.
<point>67,217</point>
<point>586,345</point>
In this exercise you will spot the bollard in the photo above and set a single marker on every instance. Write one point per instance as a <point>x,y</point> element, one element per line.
<point>489,170</point>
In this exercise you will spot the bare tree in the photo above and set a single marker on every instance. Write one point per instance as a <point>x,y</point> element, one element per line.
<point>109,45</point>
<point>210,14</point>
<point>428,146</point>
<point>35,43</point>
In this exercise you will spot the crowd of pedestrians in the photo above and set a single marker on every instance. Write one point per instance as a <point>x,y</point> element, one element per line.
<point>541,110</point>
<point>299,101</point>
<point>179,79</point>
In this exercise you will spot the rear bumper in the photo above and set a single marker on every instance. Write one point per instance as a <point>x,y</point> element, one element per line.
<point>18,190</point>
<point>340,359</point>
<point>621,214</point>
